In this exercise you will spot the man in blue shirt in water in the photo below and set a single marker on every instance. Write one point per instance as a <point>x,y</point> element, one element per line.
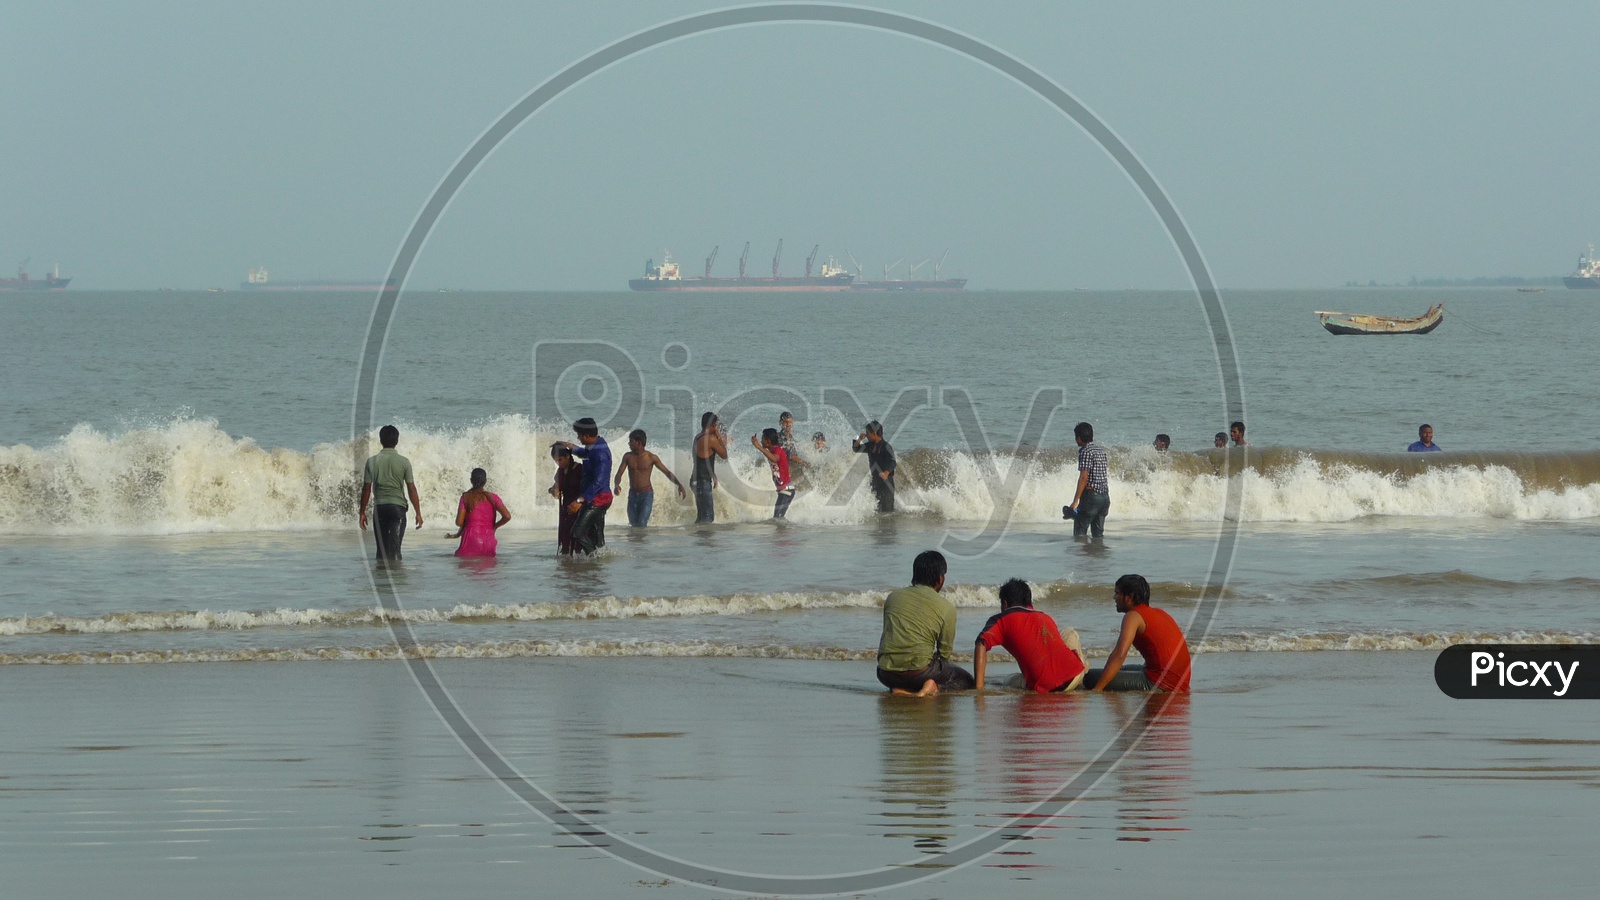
<point>589,528</point>
<point>1425,444</point>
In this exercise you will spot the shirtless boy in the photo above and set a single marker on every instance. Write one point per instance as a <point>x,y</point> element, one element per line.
<point>640,464</point>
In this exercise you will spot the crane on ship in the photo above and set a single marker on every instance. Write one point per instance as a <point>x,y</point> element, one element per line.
<point>853,261</point>
<point>711,259</point>
<point>890,266</point>
<point>939,265</point>
<point>812,258</point>
<point>777,256</point>
<point>742,257</point>
<point>912,274</point>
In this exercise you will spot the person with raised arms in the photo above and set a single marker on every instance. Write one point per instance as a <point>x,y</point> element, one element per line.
<point>708,445</point>
<point>1154,634</point>
<point>770,443</point>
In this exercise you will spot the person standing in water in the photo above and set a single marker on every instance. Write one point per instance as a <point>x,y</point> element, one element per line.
<point>1092,500</point>
<point>797,465</point>
<point>1236,431</point>
<point>568,488</point>
<point>589,528</point>
<point>1424,442</point>
<point>387,481</point>
<point>770,445</point>
<point>479,515</point>
<point>639,464</point>
<point>880,462</point>
<point>708,445</point>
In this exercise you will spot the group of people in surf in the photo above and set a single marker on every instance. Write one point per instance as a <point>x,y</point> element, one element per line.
<point>919,625</point>
<point>919,629</point>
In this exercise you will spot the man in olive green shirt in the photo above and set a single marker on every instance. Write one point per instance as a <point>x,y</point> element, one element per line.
<point>919,634</point>
<point>387,481</point>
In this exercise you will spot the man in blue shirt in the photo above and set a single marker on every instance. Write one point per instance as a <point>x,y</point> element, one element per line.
<point>589,528</point>
<point>1426,443</point>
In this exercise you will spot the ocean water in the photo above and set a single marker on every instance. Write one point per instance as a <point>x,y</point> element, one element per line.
<point>178,477</point>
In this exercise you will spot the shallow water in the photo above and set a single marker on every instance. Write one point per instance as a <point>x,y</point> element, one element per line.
<point>177,488</point>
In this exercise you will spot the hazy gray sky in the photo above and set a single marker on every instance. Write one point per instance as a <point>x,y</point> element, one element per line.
<point>179,144</point>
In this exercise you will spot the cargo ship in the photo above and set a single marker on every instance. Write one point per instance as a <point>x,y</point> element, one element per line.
<point>51,282</point>
<point>913,283</point>
<point>668,276</point>
<point>1588,275</point>
<point>257,280</point>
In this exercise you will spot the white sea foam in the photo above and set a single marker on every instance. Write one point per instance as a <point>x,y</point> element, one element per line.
<point>966,596</point>
<point>189,476</point>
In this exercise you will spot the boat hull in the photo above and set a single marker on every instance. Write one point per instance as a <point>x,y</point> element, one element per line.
<point>740,285</point>
<point>1582,282</point>
<point>1352,323</point>
<point>29,284</point>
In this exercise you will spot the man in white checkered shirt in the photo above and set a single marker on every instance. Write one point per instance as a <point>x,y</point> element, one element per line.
<point>1093,497</point>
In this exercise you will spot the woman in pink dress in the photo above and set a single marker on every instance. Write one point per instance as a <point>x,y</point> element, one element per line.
<point>476,517</point>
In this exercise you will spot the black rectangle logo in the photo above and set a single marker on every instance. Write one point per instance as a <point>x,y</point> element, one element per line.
<point>1519,671</point>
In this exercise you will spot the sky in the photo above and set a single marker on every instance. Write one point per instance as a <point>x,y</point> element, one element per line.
<point>167,144</point>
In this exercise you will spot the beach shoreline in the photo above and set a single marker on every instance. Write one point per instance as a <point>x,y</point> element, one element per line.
<point>1281,766</point>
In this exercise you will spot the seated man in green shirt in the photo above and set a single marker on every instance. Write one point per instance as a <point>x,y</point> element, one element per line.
<point>919,632</point>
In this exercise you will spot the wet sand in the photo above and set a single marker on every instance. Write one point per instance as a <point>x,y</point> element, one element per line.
<point>1324,774</point>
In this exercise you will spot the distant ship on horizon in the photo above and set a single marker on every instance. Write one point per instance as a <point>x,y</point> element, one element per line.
<point>258,280</point>
<point>669,276</point>
<point>1588,275</point>
<point>909,284</point>
<point>51,282</point>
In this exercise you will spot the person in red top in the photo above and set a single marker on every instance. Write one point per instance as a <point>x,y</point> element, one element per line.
<point>771,446</point>
<point>1154,634</point>
<point>1049,662</point>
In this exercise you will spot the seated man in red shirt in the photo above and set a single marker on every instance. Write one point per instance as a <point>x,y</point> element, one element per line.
<point>1049,662</point>
<point>1157,638</point>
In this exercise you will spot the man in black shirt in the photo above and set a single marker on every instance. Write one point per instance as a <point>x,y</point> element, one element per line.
<point>880,460</point>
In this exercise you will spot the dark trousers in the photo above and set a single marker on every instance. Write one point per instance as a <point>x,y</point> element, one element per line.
<point>390,529</point>
<point>947,675</point>
<point>883,489</point>
<point>589,529</point>
<point>1129,678</point>
<point>705,509</point>
<point>1091,518</point>
<point>780,508</point>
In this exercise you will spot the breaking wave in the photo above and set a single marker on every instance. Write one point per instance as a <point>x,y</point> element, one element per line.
<point>188,475</point>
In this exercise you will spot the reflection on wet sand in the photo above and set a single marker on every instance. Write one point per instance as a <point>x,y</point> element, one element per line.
<point>919,770</point>
<point>1028,744</point>
<point>1153,790</point>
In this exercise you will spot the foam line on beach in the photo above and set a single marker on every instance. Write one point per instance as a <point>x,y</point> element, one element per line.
<point>962,595</point>
<point>1239,643</point>
<point>189,476</point>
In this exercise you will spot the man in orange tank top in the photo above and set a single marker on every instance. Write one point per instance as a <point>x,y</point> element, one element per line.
<point>1154,634</point>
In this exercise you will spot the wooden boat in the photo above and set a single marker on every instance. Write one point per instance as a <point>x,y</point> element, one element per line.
<point>1356,323</point>
<point>1530,290</point>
